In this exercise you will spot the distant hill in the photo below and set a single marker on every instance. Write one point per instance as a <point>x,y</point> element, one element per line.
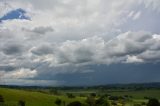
<point>155,85</point>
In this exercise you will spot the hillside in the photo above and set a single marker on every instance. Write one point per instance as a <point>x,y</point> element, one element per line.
<point>12,96</point>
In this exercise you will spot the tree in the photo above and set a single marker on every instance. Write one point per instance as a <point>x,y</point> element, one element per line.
<point>58,102</point>
<point>153,102</point>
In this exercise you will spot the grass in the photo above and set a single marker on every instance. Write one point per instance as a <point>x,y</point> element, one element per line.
<point>12,96</point>
<point>34,98</point>
<point>138,94</point>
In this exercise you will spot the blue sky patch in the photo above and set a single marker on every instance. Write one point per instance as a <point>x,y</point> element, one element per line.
<point>15,14</point>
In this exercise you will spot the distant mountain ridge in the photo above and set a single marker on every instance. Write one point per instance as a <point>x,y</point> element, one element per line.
<point>109,86</point>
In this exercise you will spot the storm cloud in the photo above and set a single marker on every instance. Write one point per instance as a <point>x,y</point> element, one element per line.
<point>67,41</point>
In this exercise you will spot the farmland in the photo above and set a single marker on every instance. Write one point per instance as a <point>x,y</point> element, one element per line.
<point>48,96</point>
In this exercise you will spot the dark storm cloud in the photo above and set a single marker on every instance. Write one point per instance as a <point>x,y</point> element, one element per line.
<point>12,48</point>
<point>115,73</point>
<point>7,68</point>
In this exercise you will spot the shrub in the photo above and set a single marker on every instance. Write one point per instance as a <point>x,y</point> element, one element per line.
<point>143,103</point>
<point>69,95</point>
<point>21,103</point>
<point>54,92</point>
<point>153,102</point>
<point>82,95</point>
<point>75,103</point>
<point>147,97</point>
<point>58,102</point>
<point>137,105</point>
<point>90,101</point>
<point>114,103</point>
<point>102,102</point>
<point>64,103</point>
<point>113,98</point>
<point>93,94</point>
<point>1,99</point>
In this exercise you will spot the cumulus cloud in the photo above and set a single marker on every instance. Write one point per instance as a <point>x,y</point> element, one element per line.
<point>67,36</point>
<point>127,47</point>
<point>133,59</point>
<point>20,74</point>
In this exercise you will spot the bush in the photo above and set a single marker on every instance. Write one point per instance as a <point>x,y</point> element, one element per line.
<point>69,95</point>
<point>54,92</point>
<point>113,98</point>
<point>143,103</point>
<point>75,103</point>
<point>102,102</point>
<point>21,103</point>
<point>82,95</point>
<point>93,94</point>
<point>1,99</point>
<point>153,102</point>
<point>126,96</point>
<point>58,102</point>
<point>90,101</point>
<point>147,97</point>
<point>114,103</point>
<point>137,105</point>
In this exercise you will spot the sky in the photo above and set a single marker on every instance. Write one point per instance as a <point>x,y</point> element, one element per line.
<point>79,42</point>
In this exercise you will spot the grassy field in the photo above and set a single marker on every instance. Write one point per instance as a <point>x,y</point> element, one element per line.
<point>138,97</point>
<point>12,96</point>
<point>138,94</point>
<point>36,98</point>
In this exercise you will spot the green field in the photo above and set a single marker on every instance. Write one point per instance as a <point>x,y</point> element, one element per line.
<point>138,94</point>
<point>12,96</point>
<point>36,98</point>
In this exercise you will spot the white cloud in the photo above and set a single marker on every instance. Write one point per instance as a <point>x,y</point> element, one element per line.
<point>20,74</point>
<point>133,59</point>
<point>88,16</point>
<point>137,15</point>
<point>69,33</point>
<point>126,47</point>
